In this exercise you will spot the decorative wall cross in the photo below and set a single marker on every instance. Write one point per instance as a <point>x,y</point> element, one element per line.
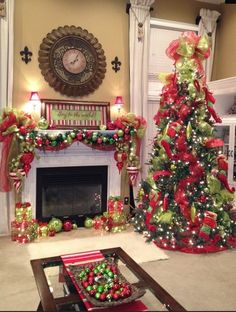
<point>26,55</point>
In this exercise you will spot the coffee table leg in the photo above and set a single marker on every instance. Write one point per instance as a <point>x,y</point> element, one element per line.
<point>40,308</point>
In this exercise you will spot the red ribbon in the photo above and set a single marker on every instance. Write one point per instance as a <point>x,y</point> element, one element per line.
<point>5,185</point>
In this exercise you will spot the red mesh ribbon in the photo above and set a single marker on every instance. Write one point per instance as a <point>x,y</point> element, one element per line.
<point>5,185</point>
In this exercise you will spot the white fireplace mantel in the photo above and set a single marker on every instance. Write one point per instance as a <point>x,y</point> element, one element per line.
<point>77,154</point>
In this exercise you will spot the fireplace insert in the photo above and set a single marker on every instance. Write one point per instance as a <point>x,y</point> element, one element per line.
<point>71,192</point>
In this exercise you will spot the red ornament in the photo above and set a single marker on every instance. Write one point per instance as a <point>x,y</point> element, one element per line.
<point>127,130</point>
<point>120,157</point>
<point>127,137</point>
<point>51,233</point>
<point>79,136</point>
<point>67,225</point>
<point>23,130</point>
<point>39,141</point>
<point>99,140</point>
<point>115,136</point>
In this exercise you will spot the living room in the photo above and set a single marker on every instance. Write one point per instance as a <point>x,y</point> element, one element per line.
<point>207,279</point>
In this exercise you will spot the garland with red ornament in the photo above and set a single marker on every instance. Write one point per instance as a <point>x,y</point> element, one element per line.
<point>185,202</point>
<point>21,138</point>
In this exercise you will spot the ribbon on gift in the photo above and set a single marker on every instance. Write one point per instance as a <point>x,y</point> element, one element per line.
<point>115,204</point>
<point>23,214</point>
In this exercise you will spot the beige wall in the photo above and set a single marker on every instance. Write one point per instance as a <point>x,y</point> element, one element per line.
<point>184,11</point>
<point>187,10</point>
<point>225,57</point>
<point>108,21</point>
<point>105,19</point>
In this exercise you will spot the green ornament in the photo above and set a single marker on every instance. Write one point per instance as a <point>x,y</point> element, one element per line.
<point>52,137</point>
<point>120,133</point>
<point>55,224</point>
<point>110,274</point>
<point>54,143</point>
<point>89,288</point>
<point>189,131</point>
<point>97,295</point>
<point>111,141</point>
<point>32,135</point>
<point>74,226</point>
<point>206,190</point>
<point>88,223</point>
<point>82,274</point>
<point>42,123</point>
<point>193,213</point>
<point>104,139</point>
<point>132,132</point>
<point>69,139</point>
<point>94,138</point>
<point>72,135</point>
<point>172,167</point>
<point>100,288</point>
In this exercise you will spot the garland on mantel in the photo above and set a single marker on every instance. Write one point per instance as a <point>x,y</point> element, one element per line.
<point>20,137</point>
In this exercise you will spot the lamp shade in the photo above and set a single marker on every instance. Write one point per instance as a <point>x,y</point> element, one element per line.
<point>119,101</point>
<point>34,96</point>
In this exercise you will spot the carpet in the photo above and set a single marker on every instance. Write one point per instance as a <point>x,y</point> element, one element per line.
<point>88,239</point>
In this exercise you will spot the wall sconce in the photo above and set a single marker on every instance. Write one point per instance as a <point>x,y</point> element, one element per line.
<point>34,100</point>
<point>119,103</point>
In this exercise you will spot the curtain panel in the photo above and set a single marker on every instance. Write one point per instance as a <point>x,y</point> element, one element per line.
<point>139,38</point>
<point>6,88</point>
<point>208,25</point>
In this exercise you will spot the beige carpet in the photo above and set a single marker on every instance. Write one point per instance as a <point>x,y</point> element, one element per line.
<point>89,239</point>
<point>18,288</point>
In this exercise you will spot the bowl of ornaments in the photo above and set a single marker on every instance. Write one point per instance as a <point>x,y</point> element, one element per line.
<point>103,285</point>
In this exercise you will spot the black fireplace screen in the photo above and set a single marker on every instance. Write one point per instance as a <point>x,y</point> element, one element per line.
<point>71,191</point>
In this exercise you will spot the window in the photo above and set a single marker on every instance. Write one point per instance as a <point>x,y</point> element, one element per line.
<point>161,34</point>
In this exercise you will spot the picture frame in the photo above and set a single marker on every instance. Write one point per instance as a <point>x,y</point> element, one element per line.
<point>72,114</point>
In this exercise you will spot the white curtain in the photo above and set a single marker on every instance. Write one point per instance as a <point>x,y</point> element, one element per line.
<point>208,25</point>
<point>139,37</point>
<point>6,87</point>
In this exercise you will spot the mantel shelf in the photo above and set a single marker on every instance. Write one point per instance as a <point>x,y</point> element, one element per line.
<point>57,131</point>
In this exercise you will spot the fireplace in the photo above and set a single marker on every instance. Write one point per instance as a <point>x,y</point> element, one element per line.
<point>74,192</point>
<point>77,155</point>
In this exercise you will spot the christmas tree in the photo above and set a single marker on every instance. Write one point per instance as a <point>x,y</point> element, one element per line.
<point>185,202</point>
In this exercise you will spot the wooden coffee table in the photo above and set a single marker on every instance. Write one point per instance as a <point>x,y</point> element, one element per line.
<point>58,293</point>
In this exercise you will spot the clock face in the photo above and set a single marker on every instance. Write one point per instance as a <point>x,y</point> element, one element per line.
<point>72,61</point>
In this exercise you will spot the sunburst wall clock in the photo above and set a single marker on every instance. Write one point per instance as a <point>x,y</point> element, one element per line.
<point>72,61</point>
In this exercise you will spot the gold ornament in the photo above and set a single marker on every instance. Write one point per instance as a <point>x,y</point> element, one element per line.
<point>172,167</point>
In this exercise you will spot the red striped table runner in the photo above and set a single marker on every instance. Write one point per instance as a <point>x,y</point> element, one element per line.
<point>90,256</point>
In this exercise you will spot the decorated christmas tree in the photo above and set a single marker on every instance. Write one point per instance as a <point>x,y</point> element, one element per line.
<point>185,203</point>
